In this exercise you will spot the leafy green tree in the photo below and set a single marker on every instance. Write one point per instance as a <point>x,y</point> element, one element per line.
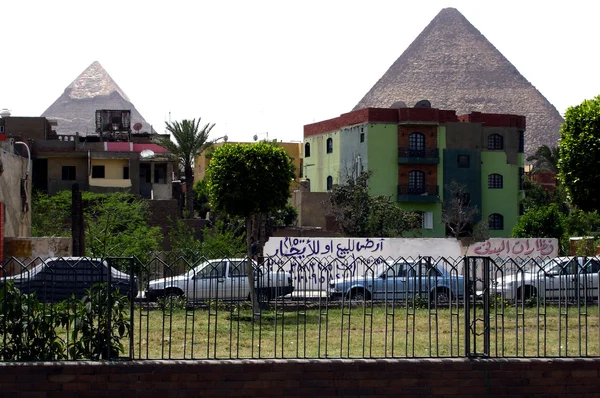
<point>116,225</point>
<point>245,180</point>
<point>579,154</point>
<point>201,204</point>
<point>544,222</point>
<point>51,215</point>
<point>190,142</point>
<point>361,215</point>
<point>545,158</point>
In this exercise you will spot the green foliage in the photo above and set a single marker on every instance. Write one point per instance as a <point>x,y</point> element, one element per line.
<point>248,179</point>
<point>545,159</point>
<point>579,154</point>
<point>201,203</point>
<point>361,215</point>
<point>284,217</point>
<point>543,222</point>
<point>99,323</point>
<point>190,142</point>
<point>216,242</point>
<point>116,225</point>
<point>51,215</point>
<point>171,303</point>
<point>29,327</point>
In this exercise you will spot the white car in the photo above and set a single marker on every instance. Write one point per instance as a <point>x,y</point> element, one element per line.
<point>222,279</point>
<point>571,278</point>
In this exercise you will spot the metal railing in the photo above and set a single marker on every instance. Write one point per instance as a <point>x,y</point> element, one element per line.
<point>406,152</point>
<point>406,189</point>
<point>360,308</point>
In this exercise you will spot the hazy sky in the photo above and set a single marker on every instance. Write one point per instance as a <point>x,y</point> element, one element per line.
<point>271,66</point>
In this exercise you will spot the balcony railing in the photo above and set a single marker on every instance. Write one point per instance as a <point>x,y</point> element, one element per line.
<point>408,155</point>
<point>423,193</point>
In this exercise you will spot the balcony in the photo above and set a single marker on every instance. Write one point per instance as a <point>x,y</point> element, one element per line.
<point>409,193</point>
<point>418,156</point>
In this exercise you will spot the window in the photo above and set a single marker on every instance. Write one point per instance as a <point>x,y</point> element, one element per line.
<point>160,173</point>
<point>307,150</point>
<point>464,161</point>
<point>329,145</point>
<point>416,145</point>
<point>521,141</point>
<point>416,182</point>
<point>68,173</point>
<point>362,137</point>
<point>495,181</point>
<point>496,222</point>
<point>329,183</point>
<point>495,141</point>
<point>97,171</point>
<point>126,172</point>
<point>521,175</point>
<point>215,269</point>
<point>427,220</point>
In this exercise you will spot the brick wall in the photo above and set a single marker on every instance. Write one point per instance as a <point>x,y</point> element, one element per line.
<point>314,378</point>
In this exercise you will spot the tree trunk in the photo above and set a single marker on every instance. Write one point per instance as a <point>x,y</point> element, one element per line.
<point>189,192</point>
<point>253,299</point>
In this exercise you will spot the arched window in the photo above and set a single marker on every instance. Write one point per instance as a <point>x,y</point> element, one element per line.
<point>329,183</point>
<point>416,182</point>
<point>495,141</point>
<point>307,150</point>
<point>495,222</point>
<point>495,181</point>
<point>329,145</point>
<point>416,145</point>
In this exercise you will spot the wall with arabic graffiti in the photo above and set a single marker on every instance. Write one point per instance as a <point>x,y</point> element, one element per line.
<point>313,262</point>
<point>515,248</point>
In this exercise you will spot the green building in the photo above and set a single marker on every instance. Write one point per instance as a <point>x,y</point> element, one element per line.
<point>416,153</point>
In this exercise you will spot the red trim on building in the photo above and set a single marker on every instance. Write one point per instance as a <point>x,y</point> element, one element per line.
<point>408,115</point>
<point>495,119</point>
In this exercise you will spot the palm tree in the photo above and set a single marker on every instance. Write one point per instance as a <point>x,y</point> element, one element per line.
<point>190,142</point>
<point>545,159</point>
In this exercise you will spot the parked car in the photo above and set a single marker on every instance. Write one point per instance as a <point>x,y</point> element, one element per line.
<point>401,280</point>
<point>555,278</point>
<point>222,279</point>
<point>56,279</point>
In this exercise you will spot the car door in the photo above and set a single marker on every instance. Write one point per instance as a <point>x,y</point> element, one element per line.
<point>237,282</point>
<point>394,284</point>
<point>588,278</point>
<point>209,281</point>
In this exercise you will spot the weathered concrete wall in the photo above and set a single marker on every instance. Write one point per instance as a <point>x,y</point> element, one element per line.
<point>34,249</point>
<point>17,213</point>
<point>311,208</point>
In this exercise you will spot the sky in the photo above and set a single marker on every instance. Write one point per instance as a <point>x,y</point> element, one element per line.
<point>267,68</point>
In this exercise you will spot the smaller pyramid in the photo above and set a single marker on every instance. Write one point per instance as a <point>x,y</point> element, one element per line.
<point>93,89</point>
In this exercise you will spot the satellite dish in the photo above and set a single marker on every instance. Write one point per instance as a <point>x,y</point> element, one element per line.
<point>4,112</point>
<point>225,138</point>
<point>137,126</point>
<point>255,137</point>
<point>146,153</point>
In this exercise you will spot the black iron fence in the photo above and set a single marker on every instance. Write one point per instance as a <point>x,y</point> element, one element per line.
<point>172,307</point>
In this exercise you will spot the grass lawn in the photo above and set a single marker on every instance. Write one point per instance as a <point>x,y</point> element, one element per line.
<point>220,332</point>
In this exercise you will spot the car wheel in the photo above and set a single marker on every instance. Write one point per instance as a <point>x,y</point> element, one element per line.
<point>171,296</point>
<point>441,295</point>
<point>526,292</point>
<point>262,296</point>
<point>358,295</point>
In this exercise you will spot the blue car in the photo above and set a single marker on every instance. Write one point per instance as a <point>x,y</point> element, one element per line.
<point>401,280</point>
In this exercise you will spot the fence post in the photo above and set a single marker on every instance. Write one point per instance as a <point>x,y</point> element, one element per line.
<point>472,332</point>
<point>109,309</point>
<point>466,303</point>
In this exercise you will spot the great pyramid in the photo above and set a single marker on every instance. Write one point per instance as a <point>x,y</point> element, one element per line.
<point>454,66</point>
<point>94,89</point>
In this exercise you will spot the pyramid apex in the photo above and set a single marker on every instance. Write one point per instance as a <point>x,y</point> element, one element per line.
<point>94,81</point>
